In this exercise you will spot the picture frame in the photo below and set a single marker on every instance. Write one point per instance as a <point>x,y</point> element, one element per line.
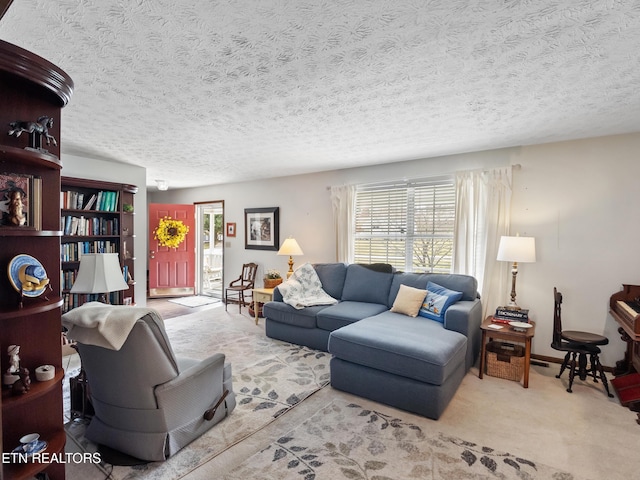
<point>231,229</point>
<point>20,197</point>
<point>262,228</point>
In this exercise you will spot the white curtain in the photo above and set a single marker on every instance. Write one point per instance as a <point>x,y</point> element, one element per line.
<point>483,211</point>
<point>342,202</point>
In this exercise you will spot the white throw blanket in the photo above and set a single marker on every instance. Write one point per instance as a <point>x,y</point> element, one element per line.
<point>106,326</point>
<point>304,289</point>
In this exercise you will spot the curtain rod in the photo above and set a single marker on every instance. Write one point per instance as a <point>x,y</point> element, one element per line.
<point>515,166</point>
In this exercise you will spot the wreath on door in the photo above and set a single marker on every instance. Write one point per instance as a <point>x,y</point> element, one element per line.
<point>170,233</point>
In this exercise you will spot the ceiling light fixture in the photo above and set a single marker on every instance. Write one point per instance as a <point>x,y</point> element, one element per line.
<point>162,185</point>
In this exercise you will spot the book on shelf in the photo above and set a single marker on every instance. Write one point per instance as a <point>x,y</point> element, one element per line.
<point>90,202</point>
<point>505,315</point>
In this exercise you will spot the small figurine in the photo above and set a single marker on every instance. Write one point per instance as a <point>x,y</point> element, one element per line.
<point>16,214</point>
<point>14,358</point>
<point>11,376</point>
<point>23,384</point>
<point>36,130</point>
<point>11,204</point>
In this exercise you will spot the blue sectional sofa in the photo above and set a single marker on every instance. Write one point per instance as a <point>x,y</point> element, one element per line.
<point>412,363</point>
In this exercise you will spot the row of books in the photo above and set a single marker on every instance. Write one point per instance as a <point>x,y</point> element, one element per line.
<point>74,300</point>
<point>71,252</point>
<point>505,315</point>
<point>71,225</point>
<point>104,201</point>
<point>67,277</point>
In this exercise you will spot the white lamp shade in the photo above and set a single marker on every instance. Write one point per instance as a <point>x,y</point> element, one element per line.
<point>517,249</point>
<point>290,247</point>
<point>99,273</point>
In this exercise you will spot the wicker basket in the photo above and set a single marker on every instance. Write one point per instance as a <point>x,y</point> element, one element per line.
<point>505,360</point>
<point>272,282</point>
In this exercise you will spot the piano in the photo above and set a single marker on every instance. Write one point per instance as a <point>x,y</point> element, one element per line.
<point>625,310</point>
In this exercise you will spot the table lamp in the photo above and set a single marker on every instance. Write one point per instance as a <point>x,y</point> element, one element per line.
<point>99,273</point>
<point>516,249</point>
<point>290,247</point>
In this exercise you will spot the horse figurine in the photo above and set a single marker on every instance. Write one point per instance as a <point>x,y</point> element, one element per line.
<point>39,127</point>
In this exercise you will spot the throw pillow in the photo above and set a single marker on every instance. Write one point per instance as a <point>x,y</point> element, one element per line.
<point>409,300</point>
<point>437,301</point>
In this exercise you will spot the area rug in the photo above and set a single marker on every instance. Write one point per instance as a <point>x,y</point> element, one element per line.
<point>345,440</point>
<point>194,301</point>
<point>269,378</point>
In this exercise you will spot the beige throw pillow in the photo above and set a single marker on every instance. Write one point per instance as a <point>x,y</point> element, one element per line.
<point>409,300</point>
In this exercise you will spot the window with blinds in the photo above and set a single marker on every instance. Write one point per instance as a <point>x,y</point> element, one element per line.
<point>408,225</point>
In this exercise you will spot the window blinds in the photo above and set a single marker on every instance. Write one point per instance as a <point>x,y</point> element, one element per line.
<point>408,225</point>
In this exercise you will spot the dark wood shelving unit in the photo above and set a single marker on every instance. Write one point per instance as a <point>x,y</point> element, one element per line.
<point>31,87</point>
<point>120,238</point>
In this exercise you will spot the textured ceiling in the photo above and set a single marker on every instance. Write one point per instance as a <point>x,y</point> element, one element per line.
<point>207,91</point>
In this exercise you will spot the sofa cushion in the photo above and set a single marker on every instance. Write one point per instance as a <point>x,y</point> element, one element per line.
<point>365,285</point>
<point>332,277</point>
<point>409,300</point>
<point>345,313</point>
<point>466,284</point>
<point>437,301</point>
<point>283,313</point>
<point>410,347</point>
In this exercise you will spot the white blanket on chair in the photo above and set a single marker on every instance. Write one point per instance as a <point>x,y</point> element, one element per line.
<point>304,289</point>
<point>106,326</point>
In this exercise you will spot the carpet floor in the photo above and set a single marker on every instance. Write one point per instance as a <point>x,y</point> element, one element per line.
<point>493,428</point>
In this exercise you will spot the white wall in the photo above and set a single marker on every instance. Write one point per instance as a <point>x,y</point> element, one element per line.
<point>579,199</point>
<point>74,166</point>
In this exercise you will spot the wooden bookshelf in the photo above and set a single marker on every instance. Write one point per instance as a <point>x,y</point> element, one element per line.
<point>96,217</point>
<point>31,87</point>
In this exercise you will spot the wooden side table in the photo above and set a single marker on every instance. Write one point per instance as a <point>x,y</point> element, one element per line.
<point>507,333</point>
<point>261,295</point>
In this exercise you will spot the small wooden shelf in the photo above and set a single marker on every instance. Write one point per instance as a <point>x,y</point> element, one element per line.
<point>31,306</point>
<point>25,232</point>
<point>30,157</point>
<point>37,390</point>
<point>19,471</point>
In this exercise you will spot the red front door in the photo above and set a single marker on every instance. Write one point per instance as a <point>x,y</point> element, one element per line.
<point>172,270</point>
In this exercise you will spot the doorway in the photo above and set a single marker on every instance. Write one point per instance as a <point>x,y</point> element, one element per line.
<point>171,268</point>
<point>210,248</point>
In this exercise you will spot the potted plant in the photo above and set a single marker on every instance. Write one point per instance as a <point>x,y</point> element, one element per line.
<point>272,279</point>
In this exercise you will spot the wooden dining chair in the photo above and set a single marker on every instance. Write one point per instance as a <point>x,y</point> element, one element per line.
<point>242,287</point>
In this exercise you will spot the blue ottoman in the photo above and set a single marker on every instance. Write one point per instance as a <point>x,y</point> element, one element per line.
<point>411,363</point>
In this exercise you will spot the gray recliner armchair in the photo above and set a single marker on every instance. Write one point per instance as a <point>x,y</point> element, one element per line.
<point>148,403</point>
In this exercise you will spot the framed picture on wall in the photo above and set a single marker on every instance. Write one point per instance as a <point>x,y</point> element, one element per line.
<point>261,228</point>
<point>19,201</point>
<point>231,229</point>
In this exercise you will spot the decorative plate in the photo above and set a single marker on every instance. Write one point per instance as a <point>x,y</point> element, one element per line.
<point>520,326</point>
<point>16,264</point>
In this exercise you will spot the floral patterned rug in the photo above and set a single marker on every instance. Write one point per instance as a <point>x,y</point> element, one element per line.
<point>345,440</point>
<point>269,378</point>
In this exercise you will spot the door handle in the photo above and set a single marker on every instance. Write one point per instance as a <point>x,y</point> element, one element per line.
<point>152,254</point>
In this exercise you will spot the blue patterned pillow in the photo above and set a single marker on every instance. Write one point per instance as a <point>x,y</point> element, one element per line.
<point>437,301</point>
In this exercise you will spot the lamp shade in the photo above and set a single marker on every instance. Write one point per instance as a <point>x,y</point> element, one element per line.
<point>517,249</point>
<point>290,247</point>
<point>99,273</point>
